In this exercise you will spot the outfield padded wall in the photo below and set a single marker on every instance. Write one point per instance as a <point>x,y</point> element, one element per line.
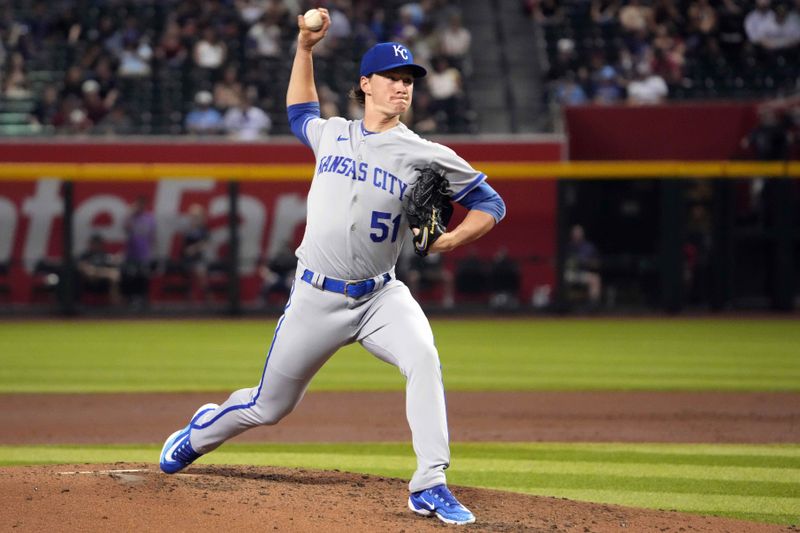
<point>272,206</point>
<point>690,131</point>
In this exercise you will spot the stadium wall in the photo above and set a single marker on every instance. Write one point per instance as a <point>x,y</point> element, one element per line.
<point>271,209</point>
<point>690,131</point>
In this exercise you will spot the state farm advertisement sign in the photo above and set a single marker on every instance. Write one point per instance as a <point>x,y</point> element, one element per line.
<point>31,218</point>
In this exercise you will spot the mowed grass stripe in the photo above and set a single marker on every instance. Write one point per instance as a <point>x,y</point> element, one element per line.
<point>776,518</point>
<point>730,488</point>
<point>662,471</point>
<point>780,458</point>
<point>525,354</point>
<point>688,502</point>
<point>751,454</point>
<point>650,381</point>
<point>523,481</point>
<point>658,469</point>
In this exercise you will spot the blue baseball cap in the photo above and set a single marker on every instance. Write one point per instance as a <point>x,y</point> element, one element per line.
<point>386,56</point>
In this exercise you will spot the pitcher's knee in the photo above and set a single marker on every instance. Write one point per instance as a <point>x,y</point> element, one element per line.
<point>422,358</point>
<point>272,408</point>
<point>270,417</point>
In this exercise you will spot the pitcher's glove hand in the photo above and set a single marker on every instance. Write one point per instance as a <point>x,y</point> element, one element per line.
<point>428,208</point>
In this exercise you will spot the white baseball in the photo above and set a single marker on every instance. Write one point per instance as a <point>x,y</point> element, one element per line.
<point>313,19</point>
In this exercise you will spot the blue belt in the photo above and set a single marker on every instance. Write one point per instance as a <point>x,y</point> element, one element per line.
<point>352,289</point>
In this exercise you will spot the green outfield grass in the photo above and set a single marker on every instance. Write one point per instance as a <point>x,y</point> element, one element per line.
<point>743,481</point>
<point>524,354</point>
<point>754,482</point>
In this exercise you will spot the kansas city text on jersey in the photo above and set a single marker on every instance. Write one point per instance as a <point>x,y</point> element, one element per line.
<point>346,166</point>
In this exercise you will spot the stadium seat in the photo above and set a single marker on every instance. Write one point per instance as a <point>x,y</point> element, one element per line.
<point>175,280</point>
<point>218,279</point>
<point>5,284</point>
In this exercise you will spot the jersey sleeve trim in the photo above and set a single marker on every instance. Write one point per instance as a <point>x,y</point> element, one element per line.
<point>485,198</point>
<point>299,116</point>
<point>474,183</point>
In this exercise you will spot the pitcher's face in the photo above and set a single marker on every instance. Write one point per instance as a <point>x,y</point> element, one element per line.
<point>390,91</point>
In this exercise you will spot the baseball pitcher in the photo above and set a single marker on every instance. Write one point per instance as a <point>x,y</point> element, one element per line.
<point>376,185</point>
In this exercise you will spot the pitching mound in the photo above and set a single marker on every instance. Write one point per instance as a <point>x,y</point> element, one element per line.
<point>137,497</point>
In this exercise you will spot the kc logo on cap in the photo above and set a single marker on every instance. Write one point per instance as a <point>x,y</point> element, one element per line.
<point>386,56</point>
<point>400,50</point>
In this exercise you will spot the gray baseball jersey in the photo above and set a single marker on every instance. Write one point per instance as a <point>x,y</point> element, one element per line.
<point>358,186</point>
<point>355,231</point>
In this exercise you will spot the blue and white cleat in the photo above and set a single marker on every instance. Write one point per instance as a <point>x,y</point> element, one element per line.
<point>440,501</point>
<point>177,452</point>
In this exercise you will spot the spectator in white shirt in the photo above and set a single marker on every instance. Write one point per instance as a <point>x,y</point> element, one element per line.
<point>784,32</point>
<point>454,42</point>
<point>647,88</point>
<point>251,10</point>
<point>444,86</point>
<point>265,37</point>
<point>210,52</point>
<point>246,122</point>
<point>757,21</point>
<point>134,60</point>
<point>340,23</point>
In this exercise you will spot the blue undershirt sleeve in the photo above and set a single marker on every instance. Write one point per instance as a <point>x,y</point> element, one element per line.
<point>484,198</point>
<point>299,115</point>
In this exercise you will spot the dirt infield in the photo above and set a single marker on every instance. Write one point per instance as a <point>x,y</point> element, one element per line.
<point>379,416</point>
<point>125,497</point>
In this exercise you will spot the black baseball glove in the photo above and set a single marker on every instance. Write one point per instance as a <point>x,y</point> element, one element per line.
<point>428,208</point>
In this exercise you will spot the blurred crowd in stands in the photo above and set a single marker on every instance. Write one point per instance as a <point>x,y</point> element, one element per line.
<point>210,67</point>
<point>220,67</point>
<point>645,51</point>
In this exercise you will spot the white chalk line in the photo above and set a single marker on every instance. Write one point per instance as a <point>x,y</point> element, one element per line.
<point>121,471</point>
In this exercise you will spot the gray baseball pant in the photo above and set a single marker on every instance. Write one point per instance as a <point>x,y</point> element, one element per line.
<point>389,323</point>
